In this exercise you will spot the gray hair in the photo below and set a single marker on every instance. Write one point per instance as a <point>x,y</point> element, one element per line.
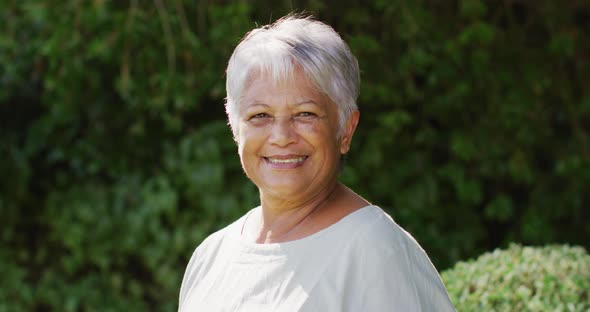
<point>292,41</point>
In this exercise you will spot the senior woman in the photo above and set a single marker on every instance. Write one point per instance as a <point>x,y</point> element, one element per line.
<point>312,244</point>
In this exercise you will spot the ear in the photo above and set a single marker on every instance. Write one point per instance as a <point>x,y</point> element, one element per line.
<point>348,131</point>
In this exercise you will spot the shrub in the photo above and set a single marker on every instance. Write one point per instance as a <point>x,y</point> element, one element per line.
<point>550,278</point>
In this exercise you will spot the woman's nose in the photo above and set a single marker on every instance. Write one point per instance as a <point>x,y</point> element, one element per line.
<point>282,131</point>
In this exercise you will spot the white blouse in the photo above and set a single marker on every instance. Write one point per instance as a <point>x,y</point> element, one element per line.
<point>364,262</point>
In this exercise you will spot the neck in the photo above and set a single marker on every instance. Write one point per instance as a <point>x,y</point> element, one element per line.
<point>284,220</point>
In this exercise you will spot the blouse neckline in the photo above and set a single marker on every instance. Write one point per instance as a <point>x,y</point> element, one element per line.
<point>235,232</point>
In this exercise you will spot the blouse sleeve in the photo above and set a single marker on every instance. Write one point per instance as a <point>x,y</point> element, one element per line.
<point>397,274</point>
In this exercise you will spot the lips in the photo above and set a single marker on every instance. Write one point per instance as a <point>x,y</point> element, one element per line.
<point>290,160</point>
<point>285,162</point>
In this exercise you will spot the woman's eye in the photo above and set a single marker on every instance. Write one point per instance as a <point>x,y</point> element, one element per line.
<point>258,116</point>
<point>306,114</point>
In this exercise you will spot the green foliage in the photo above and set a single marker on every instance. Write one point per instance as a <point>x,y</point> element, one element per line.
<point>118,161</point>
<point>550,278</point>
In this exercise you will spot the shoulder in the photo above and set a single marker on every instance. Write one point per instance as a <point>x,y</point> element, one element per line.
<point>394,267</point>
<point>386,233</point>
<point>377,230</point>
<point>203,257</point>
<point>375,237</point>
<point>210,246</point>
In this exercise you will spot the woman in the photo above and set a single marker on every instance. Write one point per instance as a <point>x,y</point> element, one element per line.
<point>312,244</point>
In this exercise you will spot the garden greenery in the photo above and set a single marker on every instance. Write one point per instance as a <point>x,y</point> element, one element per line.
<point>117,159</point>
<point>550,278</point>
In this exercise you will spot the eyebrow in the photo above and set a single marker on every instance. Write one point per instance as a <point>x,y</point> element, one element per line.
<point>307,102</point>
<point>257,103</point>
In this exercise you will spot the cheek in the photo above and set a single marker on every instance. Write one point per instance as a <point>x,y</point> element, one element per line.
<point>322,134</point>
<point>249,141</point>
<point>247,156</point>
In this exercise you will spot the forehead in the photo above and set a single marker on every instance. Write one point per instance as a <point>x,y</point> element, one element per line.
<point>263,88</point>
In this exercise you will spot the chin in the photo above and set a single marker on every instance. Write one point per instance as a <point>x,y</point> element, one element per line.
<point>283,189</point>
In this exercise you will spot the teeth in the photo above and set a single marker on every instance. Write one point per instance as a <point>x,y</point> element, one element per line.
<point>286,161</point>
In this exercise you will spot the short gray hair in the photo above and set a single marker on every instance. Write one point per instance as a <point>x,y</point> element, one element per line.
<point>277,49</point>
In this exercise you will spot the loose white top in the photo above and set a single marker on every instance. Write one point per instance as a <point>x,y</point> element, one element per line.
<point>364,262</point>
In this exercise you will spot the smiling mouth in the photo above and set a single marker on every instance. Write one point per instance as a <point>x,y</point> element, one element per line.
<point>280,161</point>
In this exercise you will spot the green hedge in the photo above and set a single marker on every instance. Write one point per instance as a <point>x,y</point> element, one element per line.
<point>117,160</point>
<point>550,278</point>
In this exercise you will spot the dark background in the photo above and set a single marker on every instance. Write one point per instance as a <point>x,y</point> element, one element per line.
<point>116,160</point>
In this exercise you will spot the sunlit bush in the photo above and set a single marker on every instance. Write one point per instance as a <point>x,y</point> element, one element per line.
<point>551,278</point>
